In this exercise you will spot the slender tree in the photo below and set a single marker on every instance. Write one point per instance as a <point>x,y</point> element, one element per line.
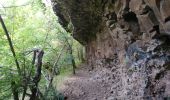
<point>10,44</point>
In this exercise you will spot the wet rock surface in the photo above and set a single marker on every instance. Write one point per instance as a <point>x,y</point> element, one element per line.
<point>130,38</point>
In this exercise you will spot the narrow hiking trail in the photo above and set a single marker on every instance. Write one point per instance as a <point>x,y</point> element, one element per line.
<point>86,85</point>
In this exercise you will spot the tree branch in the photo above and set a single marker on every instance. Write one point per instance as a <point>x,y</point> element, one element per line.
<point>55,63</point>
<point>15,6</point>
<point>10,44</point>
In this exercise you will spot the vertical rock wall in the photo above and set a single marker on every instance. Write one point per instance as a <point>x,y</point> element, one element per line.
<point>129,37</point>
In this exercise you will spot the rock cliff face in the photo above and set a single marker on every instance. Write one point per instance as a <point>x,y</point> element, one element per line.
<point>129,37</point>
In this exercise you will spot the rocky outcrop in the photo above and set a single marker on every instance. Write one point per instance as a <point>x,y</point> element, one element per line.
<point>129,37</point>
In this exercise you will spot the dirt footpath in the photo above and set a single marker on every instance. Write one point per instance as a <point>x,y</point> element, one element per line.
<point>87,85</point>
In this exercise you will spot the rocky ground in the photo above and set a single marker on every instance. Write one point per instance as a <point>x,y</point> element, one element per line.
<point>88,85</point>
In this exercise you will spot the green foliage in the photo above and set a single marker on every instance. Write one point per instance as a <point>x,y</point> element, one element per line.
<point>32,24</point>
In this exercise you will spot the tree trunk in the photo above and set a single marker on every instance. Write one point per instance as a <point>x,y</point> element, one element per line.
<point>37,77</point>
<point>72,59</point>
<point>14,91</point>
<point>81,55</point>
